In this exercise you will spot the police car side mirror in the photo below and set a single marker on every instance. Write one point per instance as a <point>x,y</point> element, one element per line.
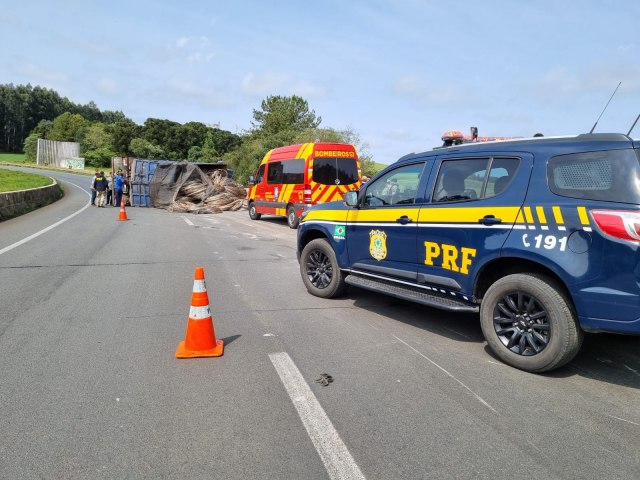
<point>351,198</point>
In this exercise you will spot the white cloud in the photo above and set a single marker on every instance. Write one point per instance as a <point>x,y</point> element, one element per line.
<point>400,134</point>
<point>182,42</point>
<point>191,49</point>
<point>107,86</point>
<point>186,91</point>
<point>308,90</point>
<point>272,83</point>
<point>416,90</point>
<point>263,84</point>
<point>42,77</point>
<point>198,57</point>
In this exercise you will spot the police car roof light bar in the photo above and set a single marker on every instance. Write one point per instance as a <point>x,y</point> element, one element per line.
<point>605,107</point>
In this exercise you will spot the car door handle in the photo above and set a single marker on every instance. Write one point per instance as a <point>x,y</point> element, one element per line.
<point>489,220</point>
<point>404,220</point>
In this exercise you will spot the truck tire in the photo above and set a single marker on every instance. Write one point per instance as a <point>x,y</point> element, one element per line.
<point>529,323</point>
<point>319,269</point>
<point>252,212</point>
<point>292,217</point>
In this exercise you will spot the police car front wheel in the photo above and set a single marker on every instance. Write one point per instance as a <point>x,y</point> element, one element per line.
<point>319,269</point>
<point>529,323</point>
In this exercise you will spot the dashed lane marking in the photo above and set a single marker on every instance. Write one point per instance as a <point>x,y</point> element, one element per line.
<point>337,460</point>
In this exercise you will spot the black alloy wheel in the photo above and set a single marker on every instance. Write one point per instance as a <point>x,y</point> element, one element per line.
<point>320,271</point>
<point>521,323</point>
<point>529,322</point>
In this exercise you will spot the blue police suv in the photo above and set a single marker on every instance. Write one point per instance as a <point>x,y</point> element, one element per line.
<point>540,236</point>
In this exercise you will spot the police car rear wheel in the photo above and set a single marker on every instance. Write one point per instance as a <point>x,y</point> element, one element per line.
<point>253,214</point>
<point>319,269</point>
<point>529,323</point>
<point>292,217</point>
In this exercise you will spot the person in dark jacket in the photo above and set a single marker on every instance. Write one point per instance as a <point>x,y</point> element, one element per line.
<point>101,184</point>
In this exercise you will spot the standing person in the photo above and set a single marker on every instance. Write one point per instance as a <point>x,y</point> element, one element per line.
<point>118,183</point>
<point>101,188</point>
<point>93,188</point>
<point>125,190</point>
<point>109,188</point>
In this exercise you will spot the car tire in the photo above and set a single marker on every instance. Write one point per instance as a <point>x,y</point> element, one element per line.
<point>320,271</point>
<point>529,323</point>
<point>292,217</point>
<point>253,215</point>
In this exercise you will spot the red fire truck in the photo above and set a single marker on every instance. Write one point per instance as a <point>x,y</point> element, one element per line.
<point>293,178</point>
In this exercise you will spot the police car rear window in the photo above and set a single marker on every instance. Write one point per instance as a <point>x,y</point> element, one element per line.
<point>611,175</point>
<point>335,171</point>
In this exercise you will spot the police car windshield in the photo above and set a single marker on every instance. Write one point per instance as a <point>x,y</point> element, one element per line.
<point>335,171</point>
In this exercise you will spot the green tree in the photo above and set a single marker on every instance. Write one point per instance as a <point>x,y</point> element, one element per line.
<point>122,133</point>
<point>142,148</point>
<point>96,144</point>
<point>208,152</point>
<point>30,146</point>
<point>109,116</point>
<point>164,134</point>
<point>245,159</point>
<point>281,114</point>
<point>66,127</point>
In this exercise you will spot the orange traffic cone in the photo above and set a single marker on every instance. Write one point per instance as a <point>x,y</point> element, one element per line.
<point>123,214</point>
<point>200,340</point>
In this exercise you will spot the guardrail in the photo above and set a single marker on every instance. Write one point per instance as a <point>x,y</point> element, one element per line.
<point>19,202</point>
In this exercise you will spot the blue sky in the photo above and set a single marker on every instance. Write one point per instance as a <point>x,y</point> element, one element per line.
<point>398,72</point>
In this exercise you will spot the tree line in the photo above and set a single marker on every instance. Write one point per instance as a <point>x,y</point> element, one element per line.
<point>28,113</point>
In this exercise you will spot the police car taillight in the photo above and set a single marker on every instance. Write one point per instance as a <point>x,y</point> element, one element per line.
<point>307,194</point>
<point>622,224</point>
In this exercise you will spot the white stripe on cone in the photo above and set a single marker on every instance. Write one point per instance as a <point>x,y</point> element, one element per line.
<point>199,286</point>
<point>198,313</point>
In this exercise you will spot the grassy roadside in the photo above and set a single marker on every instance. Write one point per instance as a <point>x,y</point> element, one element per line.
<point>18,160</point>
<point>11,181</point>
<point>12,158</point>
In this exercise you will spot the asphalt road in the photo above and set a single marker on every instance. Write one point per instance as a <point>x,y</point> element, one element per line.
<point>92,311</point>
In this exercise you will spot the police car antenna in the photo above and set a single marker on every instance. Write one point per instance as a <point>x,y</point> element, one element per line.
<point>605,107</point>
<point>634,124</point>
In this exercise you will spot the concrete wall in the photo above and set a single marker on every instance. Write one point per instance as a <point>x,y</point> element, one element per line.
<point>13,204</point>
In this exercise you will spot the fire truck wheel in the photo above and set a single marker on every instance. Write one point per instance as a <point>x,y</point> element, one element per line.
<point>292,217</point>
<point>320,271</point>
<point>252,212</point>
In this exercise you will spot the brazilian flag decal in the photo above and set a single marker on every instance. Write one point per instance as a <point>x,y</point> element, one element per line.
<point>339,232</point>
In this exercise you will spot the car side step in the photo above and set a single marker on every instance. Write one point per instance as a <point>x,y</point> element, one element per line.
<point>411,294</point>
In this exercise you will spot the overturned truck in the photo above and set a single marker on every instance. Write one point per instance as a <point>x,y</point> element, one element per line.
<point>184,187</point>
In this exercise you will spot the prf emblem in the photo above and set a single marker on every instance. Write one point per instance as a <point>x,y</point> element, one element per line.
<point>378,244</point>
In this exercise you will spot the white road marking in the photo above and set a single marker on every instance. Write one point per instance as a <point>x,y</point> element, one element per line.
<point>337,460</point>
<point>631,369</point>
<point>623,420</point>
<point>188,222</point>
<point>50,227</point>
<point>478,397</point>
